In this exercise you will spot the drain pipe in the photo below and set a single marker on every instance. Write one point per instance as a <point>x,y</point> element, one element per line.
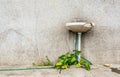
<point>79,45</point>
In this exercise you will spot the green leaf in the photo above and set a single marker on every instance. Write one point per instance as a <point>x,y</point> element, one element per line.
<point>78,65</point>
<point>82,60</point>
<point>62,57</point>
<point>68,55</point>
<point>73,59</point>
<point>59,64</point>
<point>87,66</point>
<point>64,66</point>
<point>78,52</point>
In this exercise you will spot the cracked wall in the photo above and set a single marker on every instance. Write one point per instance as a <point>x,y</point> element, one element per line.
<point>31,30</point>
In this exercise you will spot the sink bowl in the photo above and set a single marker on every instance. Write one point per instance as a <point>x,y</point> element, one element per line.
<point>79,26</point>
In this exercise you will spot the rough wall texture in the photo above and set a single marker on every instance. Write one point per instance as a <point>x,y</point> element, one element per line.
<point>33,29</point>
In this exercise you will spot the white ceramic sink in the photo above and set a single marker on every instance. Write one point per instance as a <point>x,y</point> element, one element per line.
<point>79,26</point>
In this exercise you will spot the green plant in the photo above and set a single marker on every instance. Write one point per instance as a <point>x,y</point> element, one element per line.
<point>47,63</point>
<point>33,63</point>
<point>68,59</point>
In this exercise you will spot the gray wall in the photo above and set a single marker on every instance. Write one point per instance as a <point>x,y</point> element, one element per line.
<point>33,29</point>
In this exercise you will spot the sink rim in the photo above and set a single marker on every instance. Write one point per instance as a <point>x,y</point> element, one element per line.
<point>75,23</point>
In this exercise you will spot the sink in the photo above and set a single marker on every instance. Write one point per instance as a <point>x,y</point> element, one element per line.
<point>79,26</point>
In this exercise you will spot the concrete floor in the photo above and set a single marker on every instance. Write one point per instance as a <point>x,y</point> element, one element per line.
<point>97,71</point>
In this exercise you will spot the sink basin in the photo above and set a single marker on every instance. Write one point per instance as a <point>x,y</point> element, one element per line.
<point>79,26</point>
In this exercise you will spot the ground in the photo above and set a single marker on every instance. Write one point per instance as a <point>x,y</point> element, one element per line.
<point>96,71</point>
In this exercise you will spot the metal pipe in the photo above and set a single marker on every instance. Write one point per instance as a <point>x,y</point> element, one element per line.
<point>79,45</point>
<point>79,41</point>
<point>75,43</point>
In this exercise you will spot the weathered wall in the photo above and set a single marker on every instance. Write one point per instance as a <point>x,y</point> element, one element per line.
<point>33,29</point>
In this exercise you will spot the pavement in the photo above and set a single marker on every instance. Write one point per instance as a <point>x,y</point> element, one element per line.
<point>96,71</point>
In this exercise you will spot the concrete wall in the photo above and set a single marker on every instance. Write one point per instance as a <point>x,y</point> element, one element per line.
<point>33,29</point>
